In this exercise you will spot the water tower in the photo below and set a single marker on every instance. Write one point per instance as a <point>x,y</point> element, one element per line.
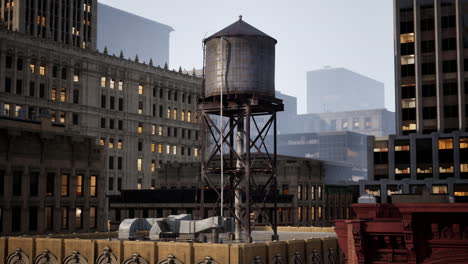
<point>238,113</point>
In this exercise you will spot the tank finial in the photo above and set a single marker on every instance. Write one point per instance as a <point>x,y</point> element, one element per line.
<point>240,17</point>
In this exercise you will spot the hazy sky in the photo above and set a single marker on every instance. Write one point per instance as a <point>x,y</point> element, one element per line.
<point>311,34</point>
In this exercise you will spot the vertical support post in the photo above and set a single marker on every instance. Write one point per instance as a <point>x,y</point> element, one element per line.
<point>201,179</point>
<point>247,173</point>
<point>240,177</point>
<point>275,184</point>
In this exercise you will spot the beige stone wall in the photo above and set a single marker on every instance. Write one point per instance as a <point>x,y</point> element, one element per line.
<point>293,251</point>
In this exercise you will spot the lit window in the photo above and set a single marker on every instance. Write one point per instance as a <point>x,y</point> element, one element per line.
<point>111,83</point>
<point>76,77</point>
<point>120,85</point>
<point>160,148</point>
<point>160,131</point>
<point>319,192</point>
<point>79,185</point>
<point>111,143</point>
<point>139,184</point>
<point>153,130</point>
<point>83,45</point>
<point>408,59</point>
<point>53,116</point>
<point>402,148</point>
<point>17,110</point>
<point>93,186</point>
<point>103,82</point>
<point>446,143</point>
<point>424,171</point>
<point>153,165</point>
<point>119,144</point>
<point>407,38</point>
<point>92,217</point>
<point>64,188</point>
<point>299,213</point>
<point>168,113</point>
<point>320,212</point>
<point>189,116</point>
<point>53,94</point>
<point>196,117</point>
<point>312,213</point>
<point>64,212</point>
<point>140,108</point>
<point>168,149</point>
<point>195,152</point>
<point>78,218</point>
<point>464,167</point>
<point>153,147</point>
<point>174,150</point>
<point>356,123</point>
<point>373,190</point>
<point>175,113</point>
<point>139,164</point>
<point>182,117</point>
<point>446,170</point>
<point>102,141</point>
<point>439,189</point>
<point>409,127</point>
<point>6,109</point>
<point>140,89</point>
<point>402,171</point>
<point>42,70</point>
<point>63,95</point>
<point>408,103</point>
<point>140,128</point>
<point>345,124</point>
<point>463,143</point>
<point>62,117</point>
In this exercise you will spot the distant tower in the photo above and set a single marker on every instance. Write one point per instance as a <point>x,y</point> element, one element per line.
<point>239,87</point>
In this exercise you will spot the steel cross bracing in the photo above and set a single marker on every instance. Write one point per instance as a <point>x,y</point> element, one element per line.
<point>250,173</point>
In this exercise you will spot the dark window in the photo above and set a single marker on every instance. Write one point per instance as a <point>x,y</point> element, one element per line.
<point>54,71</point>
<point>183,133</point>
<point>121,104</point>
<point>449,66</point>
<point>41,90</point>
<point>111,184</point>
<point>175,132</point>
<point>429,90</point>
<point>154,91</point>
<point>64,73</point>
<point>16,216</point>
<point>32,218</point>
<point>32,90</point>
<point>450,88</point>
<point>154,110</point>
<point>407,48</point>
<point>189,134</point>
<point>8,61</point>
<point>427,46</point>
<point>112,102</point>
<point>406,27</point>
<point>408,114</point>
<point>408,92</point>
<point>17,183</point>
<point>111,162</point>
<point>34,183</point>
<point>160,111</point>
<point>196,134</point>
<point>75,119</point>
<point>189,99</point>
<point>175,96</point>
<point>448,21</point>
<point>430,112</point>
<point>2,182</point>
<point>449,44</point>
<point>407,70</point>
<point>111,123</point>
<point>117,214</point>
<point>76,96</point>
<point>450,111</point>
<point>428,68</point>
<point>8,85</point>
<point>103,123</point>
<point>161,92</point>
<point>168,131</point>
<point>183,98</point>
<point>19,64</point>
<point>120,125</point>
<point>169,95</point>
<point>119,184</point>
<point>19,86</point>
<point>140,146</point>
<point>50,184</point>
<point>119,163</point>
<point>103,101</point>
<point>427,24</point>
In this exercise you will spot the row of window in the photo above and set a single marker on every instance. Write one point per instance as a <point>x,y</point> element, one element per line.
<point>51,178</point>
<point>41,68</point>
<point>305,192</point>
<point>443,143</point>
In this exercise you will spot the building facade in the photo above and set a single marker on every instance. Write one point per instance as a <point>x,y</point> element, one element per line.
<point>143,115</point>
<point>430,148</point>
<point>334,90</point>
<point>50,179</point>
<point>118,31</point>
<point>303,200</point>
<point>71,23</point>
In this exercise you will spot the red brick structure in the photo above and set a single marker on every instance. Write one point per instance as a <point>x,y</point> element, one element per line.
<point>432,233</point>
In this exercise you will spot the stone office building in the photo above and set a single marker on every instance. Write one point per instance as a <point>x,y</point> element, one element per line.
<point>144,116</point>
<point>50,179</point>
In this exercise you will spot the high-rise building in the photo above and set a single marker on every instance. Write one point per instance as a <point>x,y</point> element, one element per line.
<point>339,89</point>
<point>65,21</point>
<point>430,149</point>
<point>118,31</point>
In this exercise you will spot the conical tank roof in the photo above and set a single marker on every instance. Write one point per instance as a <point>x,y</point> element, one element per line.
<point>239,28</point>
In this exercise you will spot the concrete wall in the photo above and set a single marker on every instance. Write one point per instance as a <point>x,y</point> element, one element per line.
<point>100,251</point>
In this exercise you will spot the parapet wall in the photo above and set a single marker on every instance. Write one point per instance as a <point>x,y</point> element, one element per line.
<point>90,251</point>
